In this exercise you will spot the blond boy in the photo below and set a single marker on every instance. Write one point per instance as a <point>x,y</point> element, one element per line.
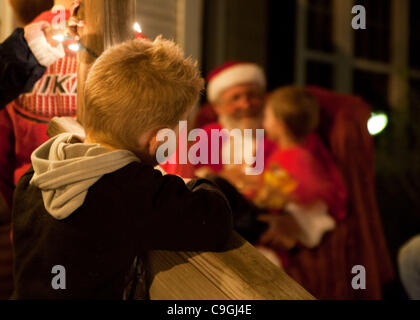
<point>91,207</point>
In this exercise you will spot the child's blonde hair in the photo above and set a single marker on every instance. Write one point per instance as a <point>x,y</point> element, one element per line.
<point>136,87</point>
<point>297,108</point>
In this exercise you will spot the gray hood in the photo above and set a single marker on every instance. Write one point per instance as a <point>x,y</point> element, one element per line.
<point>65,168</point>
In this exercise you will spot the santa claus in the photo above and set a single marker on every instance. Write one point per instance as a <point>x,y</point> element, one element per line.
<point>236,93</point>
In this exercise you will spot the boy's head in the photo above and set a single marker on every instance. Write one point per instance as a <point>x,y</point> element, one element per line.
<point>292,112</point>
<point>137,88</point>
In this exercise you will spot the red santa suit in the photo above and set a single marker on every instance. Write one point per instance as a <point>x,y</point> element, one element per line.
<point>24,122</point>
<point>320,197</point>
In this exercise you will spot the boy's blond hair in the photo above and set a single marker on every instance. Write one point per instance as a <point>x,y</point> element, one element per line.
<point>136,87</point>
<point>297,108</point>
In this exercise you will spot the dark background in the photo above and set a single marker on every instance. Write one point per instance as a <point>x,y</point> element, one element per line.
<point>266,32</point>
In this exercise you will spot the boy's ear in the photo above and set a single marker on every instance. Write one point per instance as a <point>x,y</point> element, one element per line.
<point>149,143</point>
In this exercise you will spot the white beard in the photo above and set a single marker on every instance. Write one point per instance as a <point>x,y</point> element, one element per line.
<point>231,123</point>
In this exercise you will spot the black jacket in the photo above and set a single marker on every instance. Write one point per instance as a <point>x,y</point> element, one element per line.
<point>19,69</point>
<point>125,214</point>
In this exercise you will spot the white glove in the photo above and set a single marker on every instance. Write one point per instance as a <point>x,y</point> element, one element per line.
<point>314,222</point>
<point>44,52</point>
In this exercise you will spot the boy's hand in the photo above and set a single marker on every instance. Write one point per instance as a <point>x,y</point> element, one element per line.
<point>248,185</point>
<point>235,175</point>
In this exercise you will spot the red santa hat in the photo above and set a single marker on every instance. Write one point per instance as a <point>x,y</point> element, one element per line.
<point>233,73</point>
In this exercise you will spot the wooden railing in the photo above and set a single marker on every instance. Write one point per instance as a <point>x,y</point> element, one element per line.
<point>240,272</point>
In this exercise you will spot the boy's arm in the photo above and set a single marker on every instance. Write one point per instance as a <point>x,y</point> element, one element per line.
<point>192,216</point>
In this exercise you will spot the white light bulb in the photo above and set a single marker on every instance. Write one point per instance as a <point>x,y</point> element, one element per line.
<point>58,37</point>
<point>377,123</point>
<point>74,47</point>
<point>137,27</point>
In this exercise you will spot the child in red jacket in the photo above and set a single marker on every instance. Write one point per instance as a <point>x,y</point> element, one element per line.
<point>310,190</point>
<point>24,122</point>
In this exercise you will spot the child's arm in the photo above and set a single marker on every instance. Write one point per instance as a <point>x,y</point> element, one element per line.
<point>193,216</point>
<point>19,68</point>
<point>24,57</point>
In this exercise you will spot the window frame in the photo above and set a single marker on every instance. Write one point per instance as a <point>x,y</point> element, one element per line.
<point>344,61</point>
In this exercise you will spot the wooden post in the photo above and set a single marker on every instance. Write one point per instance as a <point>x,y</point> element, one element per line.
<point>108,22</point>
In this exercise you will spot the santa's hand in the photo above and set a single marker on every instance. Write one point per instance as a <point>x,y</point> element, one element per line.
<point>282,232</point>
<point>39,37</point>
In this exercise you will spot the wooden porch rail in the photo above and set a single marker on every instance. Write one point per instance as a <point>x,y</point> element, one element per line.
<point>240,272</point>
